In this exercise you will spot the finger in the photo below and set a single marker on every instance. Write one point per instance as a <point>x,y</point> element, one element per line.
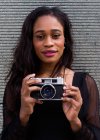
<point>70,87</point>
<point>29,76</point>
<point>76,105</point>
<point>67,87</point>
<point>34,88</point>
<point>71,100</point>
<point>73,88</point>
<point>67,95</point>
<point>34,81</point>
<point>29,90</point>
<point>66,90</point>
<point>70,93</point>
<point>33,100</point>
<point>75,95</point>
<point>39,102</point>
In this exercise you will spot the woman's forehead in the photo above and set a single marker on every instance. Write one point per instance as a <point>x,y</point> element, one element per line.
<point>47,22</point>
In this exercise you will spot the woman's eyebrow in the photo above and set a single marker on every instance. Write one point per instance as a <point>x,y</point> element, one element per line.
<point>56,30</point>
<point>39,31</point>
<point>43,31</point>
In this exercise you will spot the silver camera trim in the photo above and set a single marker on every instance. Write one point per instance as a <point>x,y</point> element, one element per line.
<point>52,87</point>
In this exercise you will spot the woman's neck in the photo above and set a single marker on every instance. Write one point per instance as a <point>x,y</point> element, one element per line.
<point>46,70</point>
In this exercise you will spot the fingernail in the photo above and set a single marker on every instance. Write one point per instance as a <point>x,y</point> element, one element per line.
<point>64,94</point>
<point>38,79</point>
<point>33,74</point>
<point>64,87</point>
<point>41,102</point>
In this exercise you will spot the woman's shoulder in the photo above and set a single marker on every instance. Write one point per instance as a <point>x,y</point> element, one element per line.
<point>83,78</point>
<point>83,75</point>
<point>77,77</point>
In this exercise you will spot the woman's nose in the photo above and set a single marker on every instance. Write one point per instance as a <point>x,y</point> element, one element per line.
<point>48,42</point>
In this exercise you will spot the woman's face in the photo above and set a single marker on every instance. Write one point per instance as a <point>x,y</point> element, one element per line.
<point>48,39</point>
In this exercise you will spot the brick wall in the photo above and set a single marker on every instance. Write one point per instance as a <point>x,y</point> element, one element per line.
<point>85,18</point>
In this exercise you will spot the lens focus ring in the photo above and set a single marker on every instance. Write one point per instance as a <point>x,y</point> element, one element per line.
<point>48,91</point>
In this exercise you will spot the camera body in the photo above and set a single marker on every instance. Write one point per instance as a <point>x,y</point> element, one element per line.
<point>51,89</point>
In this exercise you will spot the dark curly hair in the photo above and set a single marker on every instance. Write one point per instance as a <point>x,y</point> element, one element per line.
<point>25,60</point>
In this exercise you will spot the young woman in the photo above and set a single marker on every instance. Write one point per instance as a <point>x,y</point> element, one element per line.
<point>45,51</point>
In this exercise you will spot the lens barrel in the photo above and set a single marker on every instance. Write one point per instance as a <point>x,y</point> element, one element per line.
<point>48,91</point>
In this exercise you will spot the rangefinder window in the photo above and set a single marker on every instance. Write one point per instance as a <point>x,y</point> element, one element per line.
<point>54,80</point>
<point>46,80</point>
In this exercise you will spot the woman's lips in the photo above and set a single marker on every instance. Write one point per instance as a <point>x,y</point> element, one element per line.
<point>49,53</point>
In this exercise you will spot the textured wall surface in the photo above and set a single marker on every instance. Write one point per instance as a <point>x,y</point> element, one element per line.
<point>85,18</point>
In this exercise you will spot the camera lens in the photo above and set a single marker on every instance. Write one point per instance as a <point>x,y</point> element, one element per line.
<point>48,91</point>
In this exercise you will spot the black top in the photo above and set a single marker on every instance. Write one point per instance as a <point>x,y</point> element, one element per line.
<point>48,121</point>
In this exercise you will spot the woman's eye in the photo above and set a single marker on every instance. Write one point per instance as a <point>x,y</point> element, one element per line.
<point>39,37</point>
<point>56,36</point>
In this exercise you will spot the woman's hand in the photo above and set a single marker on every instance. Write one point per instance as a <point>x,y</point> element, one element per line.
<point>27,102</point>
<point>72,102</point>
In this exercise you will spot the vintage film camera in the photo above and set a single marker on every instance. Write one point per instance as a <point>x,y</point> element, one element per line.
<point>51,89</point>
